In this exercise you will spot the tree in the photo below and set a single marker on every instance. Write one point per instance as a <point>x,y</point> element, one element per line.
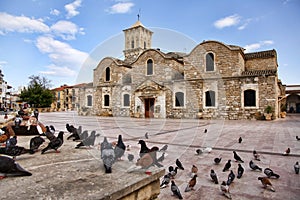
<point>38,94</point>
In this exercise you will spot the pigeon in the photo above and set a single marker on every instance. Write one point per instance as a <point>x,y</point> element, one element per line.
<point>8,168</point>
<point>36,142</point>
<point>84,135</point>
<point>52,129</point>
<point>161,158</point>
<point>173,171</point>
<point>55,143</point>
<point>227,166</point>
<point>175,190</point>
<point>256,155</point>
<point>207,150</point>
<point>297,137</point>
<point>253,166</point>
<point>179,164</point>
<point>36,114</point>
<point>194,170</point>
<point>70,128</point>
<point>11,141</point>
<point>107,156</point>
<point>146,135</point>
<point>199,151</point>
<point>217,160</point>
<point>266,183</point>
<point>269,172</point>
<point>103,144</point>
<point>153,153</point>
<point>296,167</point>
<point>240,171</point>
<point>166,180</point>
<point>120,148</point>
<point>237,157</point>
<point>164,148</point>
<point>205,130</point>
<point>240,139</point>
<point>144,149</point>
<point>89,141</point>
<point>213,176</point>
<point>287,152</point>
<point>18,121</point>
<point>231,177</point>
<point>145,161</point>
<point>225,190</point>
<point>49,135</point>
<point>191,184</point>
<point>74,133</point>
<point>15,151</point>
<point>130,157</point>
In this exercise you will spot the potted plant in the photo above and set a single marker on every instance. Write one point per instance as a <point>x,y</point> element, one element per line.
<point>283,111</point>
<point>200,114</point>
<point>268,113</point>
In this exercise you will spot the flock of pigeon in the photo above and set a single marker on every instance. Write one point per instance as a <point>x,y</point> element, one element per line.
<point>114,151</point>
<point>225,184</point>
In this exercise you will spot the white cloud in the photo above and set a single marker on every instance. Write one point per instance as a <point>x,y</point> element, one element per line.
<point>121,8</point>
<point>66,30</point>
<point>244,25</point>
<point>2,64</point>
<point>71,8</point>
<point>65,59</point>
<point>255,46</point>
<point>231,20</point>
<point>10,23</point>
<point>54,12</point>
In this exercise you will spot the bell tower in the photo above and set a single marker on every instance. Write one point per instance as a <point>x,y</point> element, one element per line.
<point>137,39</point>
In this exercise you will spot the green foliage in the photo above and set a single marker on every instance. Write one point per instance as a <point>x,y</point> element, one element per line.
<point>38,94</point>
<point>269,109</point>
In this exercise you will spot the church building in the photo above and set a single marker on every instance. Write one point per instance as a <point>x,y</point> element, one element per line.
<point>213,81</point>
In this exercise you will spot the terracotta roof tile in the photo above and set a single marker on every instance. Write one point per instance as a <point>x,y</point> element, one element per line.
<point>260,54</point>
<point>259,72</point>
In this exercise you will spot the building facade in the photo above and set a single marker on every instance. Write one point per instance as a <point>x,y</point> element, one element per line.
<point>214,80</point>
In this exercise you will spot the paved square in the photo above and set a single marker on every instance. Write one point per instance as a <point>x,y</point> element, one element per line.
<point>62,174</point>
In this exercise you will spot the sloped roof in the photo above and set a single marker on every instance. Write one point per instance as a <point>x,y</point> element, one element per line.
<point>260,54</point>
<point>259,72</point>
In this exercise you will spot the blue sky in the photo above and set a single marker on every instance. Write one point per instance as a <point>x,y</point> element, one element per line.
<point>65,39</point>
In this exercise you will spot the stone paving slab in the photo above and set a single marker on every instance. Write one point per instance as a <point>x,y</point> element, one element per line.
<point>270,138</point>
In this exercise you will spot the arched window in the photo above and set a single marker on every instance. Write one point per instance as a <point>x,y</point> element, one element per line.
<point>107,74</point>
<point>249,98</point>
<point>149,67</point>
<point>210,99</point>
<point>210,62</point>
<point>126,101</point>
<point>106,100</point>
<point>132,43</point>
<point>89,100</point>
<point>179,99</point>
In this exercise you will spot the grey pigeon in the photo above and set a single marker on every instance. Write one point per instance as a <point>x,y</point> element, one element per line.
<point>240,171</point>
<point>227,166</point>
<point>175,190</point>
<point>146,135</point>
<point>217,160</point>
<point>84,135</point>
<point>164,148</point>
<point>166,180</point>
<point>253,166</point>
<point>108,157</point>
<point>161,158</point>
<point>179,164</point>
<point>256,155</point>
<point>240,139</point>
<point>8,167</point>
<point>120,148</point>
<point>213,176</point>
<point>144,149</point>
<point>237,157</point>
<point>89,141</point>
<point>296,167</point>
<point>36,142</point>
<point>55,143</point>
<point>231,177</point>
<point>130,157</point>
<point>269,172</point>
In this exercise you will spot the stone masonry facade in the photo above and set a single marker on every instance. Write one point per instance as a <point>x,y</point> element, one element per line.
<point>214,80</point>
